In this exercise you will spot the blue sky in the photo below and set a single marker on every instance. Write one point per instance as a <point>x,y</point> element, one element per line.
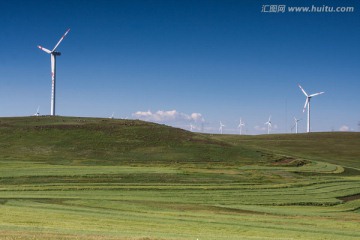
<point>182,62</point>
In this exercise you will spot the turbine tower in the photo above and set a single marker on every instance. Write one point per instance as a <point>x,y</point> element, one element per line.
<point>221,127</point>
<point>53,55</point>
<point>241,124</point>
<point>307,104</point>
<point>269,124</point>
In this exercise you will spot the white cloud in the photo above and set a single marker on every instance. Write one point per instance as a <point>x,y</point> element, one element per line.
<point>344,128</point>
<point>142,114</point>
<point>197,117</point>
<point>169,116</point>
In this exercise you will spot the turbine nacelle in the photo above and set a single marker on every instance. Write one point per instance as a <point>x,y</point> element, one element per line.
<point>56,53</point>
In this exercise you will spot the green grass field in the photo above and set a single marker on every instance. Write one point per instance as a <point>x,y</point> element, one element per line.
<point>89,178</point>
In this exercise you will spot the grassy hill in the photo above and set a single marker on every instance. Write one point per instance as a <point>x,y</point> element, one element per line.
<point>86,141</point>
<point>334,147</point>
<point>90,178</point>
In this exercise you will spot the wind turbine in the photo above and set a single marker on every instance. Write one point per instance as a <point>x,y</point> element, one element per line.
<point>221,127</point>
<point>112,116</point>
<point>241,124</point>
<point>269,124</point>
<point>37,112</point>
<point>307,104</point>
<point>53,55</point>
<point>296,124</point>
<point>191,127</point>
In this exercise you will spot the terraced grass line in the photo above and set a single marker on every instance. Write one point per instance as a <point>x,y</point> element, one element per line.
<point>164,219</point>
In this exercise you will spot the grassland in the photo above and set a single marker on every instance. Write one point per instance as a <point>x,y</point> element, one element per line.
<point>86,178</point>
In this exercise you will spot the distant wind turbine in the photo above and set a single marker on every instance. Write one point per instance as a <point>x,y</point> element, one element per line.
<point>53,55</point>
<point>221,127</point>
<point>296,121</point>
<point>112,116</point>
<point>192,127</point>
<point>268,123</point>
<point>241,124</point>
<point>307,104</point>
<point>37,112</point>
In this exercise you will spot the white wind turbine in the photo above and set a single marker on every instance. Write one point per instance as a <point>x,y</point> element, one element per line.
<point>192,127</point>
<point>37,112</point>
<point>221,127</point>
<point>268,123</point>
<point>241,124</point>
<point>53,55</point>
<point>296,121</point>
<point>307,104</point>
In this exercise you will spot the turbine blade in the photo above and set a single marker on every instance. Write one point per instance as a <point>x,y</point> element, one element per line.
<point>315,94</point>
<point>303,90</point>
<point>44,49</point>
<point>306,103</point>
<point>60,40</point>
